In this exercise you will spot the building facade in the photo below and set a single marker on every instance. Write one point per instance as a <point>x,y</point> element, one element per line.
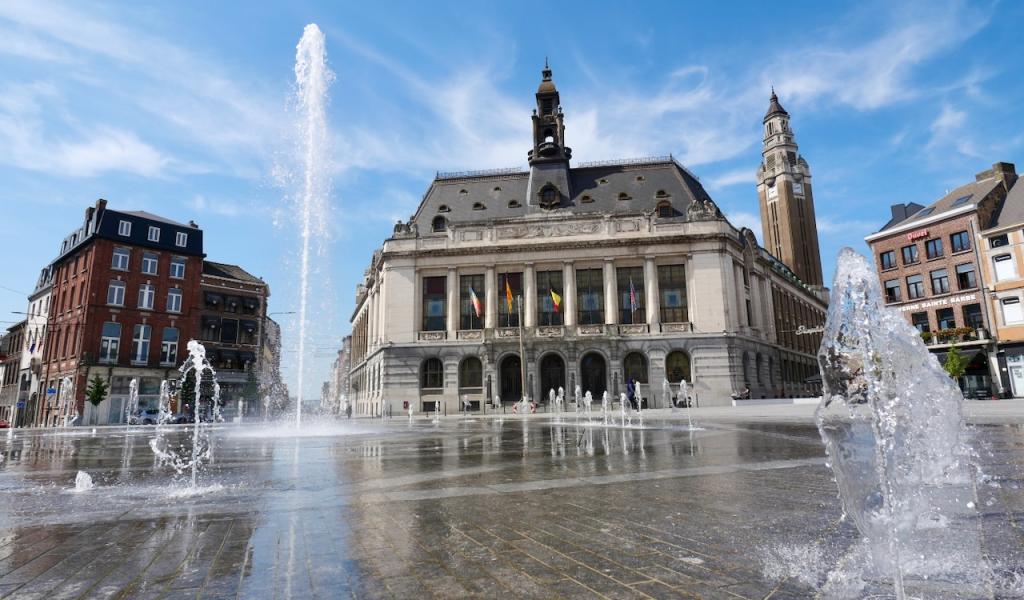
<point>234,309</point>
<point>1002,271</point>
<point>123,303</point>
<point>590,276</point>
<point>788,224</point>
<point>338,385</point>
<point>35,341</point>
<point>933,268</point>
<point>11,350</point>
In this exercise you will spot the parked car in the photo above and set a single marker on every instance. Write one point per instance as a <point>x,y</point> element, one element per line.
<point>980,394</point>
<point>149,416</point>
<point>4,424</point>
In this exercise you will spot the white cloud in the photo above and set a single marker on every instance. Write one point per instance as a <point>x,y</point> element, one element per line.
<point>108,149</point>
<point>749,220</point>
<point>948,133</point>
<point>840,225</point>
<point>745,176</point>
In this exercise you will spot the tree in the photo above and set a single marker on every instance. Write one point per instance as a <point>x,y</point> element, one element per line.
<point>187,391</point>
<point>955,364</point>
<point>97,390</point>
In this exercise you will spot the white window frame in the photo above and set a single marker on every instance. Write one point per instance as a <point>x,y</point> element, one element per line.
<point>174,296</point>
<point>181,239</point>
<point>118,295</point>
<point>140,343</point>
<point>109,347</point>
<point>150,258</point>
<point>120,252</point>
<point>169,350</point>
<point>175,264</point>
<point>153,234</point>
<point>1016,311</point>
<point>147,296</point>
<point>1008,271</point>
<point>124,228</point>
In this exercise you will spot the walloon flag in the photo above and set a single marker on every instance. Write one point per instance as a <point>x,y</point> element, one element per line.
<point>475,301</point>
<point>508,295</point>
<point>556,300</point>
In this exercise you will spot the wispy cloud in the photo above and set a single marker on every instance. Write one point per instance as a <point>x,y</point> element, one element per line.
<point>734,177</point>
<point>749,220</point>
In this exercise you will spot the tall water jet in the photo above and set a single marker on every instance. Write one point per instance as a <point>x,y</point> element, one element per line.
<point>312,78</point>
<point>892,425</point>
<point>132,406</point>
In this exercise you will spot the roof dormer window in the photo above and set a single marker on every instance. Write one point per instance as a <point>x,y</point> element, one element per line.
<point>514,204</point>
<point>479,206</point>
<point>124,228</point>
<point>586,199</point>
<point>154,234</point>
<point>550,197</point>
<point>661,194</point>
<point>439,224</point>
<point>624,196</point>
<point>443,208</point>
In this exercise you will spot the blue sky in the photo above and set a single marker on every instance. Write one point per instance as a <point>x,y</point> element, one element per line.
<point>183,109</point>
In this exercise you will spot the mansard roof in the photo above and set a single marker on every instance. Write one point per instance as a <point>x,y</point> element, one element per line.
<point>960,198</point>
<point>624,187</point>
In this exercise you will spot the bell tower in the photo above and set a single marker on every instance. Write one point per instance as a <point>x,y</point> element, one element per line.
<point>549,159</point>
<point>789,228</point>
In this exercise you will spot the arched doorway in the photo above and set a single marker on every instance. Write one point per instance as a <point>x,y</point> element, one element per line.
<point>593,374</point>
<point>511,379</point>
<point>552,375</point>
<point>634,367</point>
<point>677,367</point>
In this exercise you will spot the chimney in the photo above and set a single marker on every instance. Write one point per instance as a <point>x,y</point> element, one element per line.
<point>899,212</point>
<point>193,225</point>
<point>1002,171</point>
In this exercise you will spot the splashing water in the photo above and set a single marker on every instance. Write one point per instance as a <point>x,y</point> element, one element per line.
<point>312,78</point>
<point>892,425</point>
<point>132,406</point>
<point>189,459</point>
<point>83,482</point>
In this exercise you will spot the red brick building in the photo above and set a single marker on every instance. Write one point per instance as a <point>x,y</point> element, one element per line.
<point>928,263</point>
<point>124,305</point>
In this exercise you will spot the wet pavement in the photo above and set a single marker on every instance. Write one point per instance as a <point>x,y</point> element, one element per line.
<point>480,507</point>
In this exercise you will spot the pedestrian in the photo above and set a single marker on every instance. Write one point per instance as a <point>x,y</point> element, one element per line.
<point>631,393</point>
<point>348,410</point>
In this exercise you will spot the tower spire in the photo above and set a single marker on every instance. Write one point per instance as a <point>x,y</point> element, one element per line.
<point>549,185</point>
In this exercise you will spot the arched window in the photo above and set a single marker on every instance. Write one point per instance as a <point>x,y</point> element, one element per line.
<point>479,206</point>
<point>760,362</point>
<point>677,367</point>
<point>432,374</point>
<point>639,178</point>
<point>443,208</point>
<point>623,196</point>
<point>665,210</point>
<point>549,196</point>
<point>497,189</point>
<point>586,199</point>
<point>471,373</point>
<point>439,223</point>
<point>514,204</point>
<point>634,366</point>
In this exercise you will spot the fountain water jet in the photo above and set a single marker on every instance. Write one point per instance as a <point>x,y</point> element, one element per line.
<point>132,406</point>
<point>312,78</point>
<point>892,425</point>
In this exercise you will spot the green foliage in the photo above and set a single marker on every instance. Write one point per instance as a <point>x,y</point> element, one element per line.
<point>96,391</point>
<point>187,391</point>
<point>955,364</point>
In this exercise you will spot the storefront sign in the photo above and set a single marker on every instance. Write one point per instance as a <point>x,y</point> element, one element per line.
<point>940,302</point>
<point>916,235</point>
<point>804,330</point>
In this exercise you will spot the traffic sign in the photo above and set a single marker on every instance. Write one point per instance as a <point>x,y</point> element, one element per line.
<point>21,404</point>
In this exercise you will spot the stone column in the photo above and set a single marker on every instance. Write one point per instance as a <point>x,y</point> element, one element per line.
<point>611,299</point>
<point>569,283</point>
<point>529,296</point>
<point>452,316</point>
<point>652,293</point>
<point>490,298</point>
<point>371,326</point>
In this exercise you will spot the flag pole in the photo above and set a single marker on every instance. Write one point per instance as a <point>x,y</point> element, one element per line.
<point>522,353</point>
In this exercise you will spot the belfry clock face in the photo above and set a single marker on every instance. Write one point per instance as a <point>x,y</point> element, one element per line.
<point>798,188</point>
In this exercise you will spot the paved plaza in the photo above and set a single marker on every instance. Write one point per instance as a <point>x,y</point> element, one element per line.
<point>486,507</point>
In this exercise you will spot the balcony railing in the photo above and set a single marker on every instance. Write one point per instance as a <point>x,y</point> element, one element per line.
<point>955,335</point>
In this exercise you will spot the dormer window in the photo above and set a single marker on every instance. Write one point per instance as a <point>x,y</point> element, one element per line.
<point>602,181</point>
<point>479,206</point>
<point>514,204</point>
<point>586,200</point>
<point>154,234</point>
<point>661,194</point>
<point>463,192</point>
<point>550,197</point>
<point>443,208</point>
<point>181,239</point>
<point>640,178</point>
<point>665,210</point>
<point>124,228</point>
<point>624,196</point>
<point>439,224</point>
<point>496,189</point>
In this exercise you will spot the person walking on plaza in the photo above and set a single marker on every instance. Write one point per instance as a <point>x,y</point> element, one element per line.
<point>631,393</point>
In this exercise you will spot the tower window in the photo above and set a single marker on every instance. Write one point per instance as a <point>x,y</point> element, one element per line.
<point>549,197</point>
<point>547,105</point>
<point>478,206</point>
<point>439,224</point>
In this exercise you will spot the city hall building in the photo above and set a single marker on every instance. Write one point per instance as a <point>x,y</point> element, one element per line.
<point>590,275</point>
